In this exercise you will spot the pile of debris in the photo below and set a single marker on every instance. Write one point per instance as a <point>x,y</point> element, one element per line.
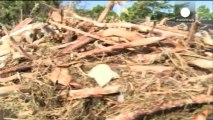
<point>77,68</point>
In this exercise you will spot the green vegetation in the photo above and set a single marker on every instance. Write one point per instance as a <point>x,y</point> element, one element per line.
<point>14,11</point>
<point>95,12</point>
<point>141,9</point>
<point>205,13</point>
<point>177,8</point>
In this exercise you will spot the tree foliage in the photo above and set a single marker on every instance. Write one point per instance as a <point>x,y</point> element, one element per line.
<point>141,9</point>
<point>204,13</point>
<point>13,11</point>
<point>95,12</point>
<point>177,8</point>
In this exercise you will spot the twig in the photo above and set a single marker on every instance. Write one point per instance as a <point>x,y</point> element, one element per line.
<point>163,21</point>
<point>153,68</point>
<point>16,68</point>
<point>73,29</point>
<point>142,28</point>
<point>103,50</point>
<point>153,27</point>
<point>21,14</point>
<point>172,104</point>
<point>18,48</point>
<point>88,92</point>
<point>196,56</point>
<point>15,45</point>
<point>35,8</point>
<point>81,32</point>
<point>192,31</point>
<point>63,45</point>
<point>126,25</point>
<point>13,119</point>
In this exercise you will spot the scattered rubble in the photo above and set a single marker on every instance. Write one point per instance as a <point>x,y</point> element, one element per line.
<point>155,68</point>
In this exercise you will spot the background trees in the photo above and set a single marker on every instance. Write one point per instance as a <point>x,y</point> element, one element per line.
<point>204,13</point>
<point>141,9</point>
<point>14,11</point>
<point>95,12</point>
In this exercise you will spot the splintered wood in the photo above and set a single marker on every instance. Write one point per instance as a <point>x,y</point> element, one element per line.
<point>150,67</point>
<point>87,92</point>
<point>6,89</point>
<point>170,104</point>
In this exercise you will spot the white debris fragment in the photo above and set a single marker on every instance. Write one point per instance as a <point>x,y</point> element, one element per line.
<point>102,73</point>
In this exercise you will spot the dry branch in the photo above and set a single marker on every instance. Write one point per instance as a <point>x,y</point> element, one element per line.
<point>88,92</point>
<point>155,68</point>
<point>7,89</point>
<point>81,32</point>
<point>73,29</point>
<point>63,45</point>
<point>21,24</point>
<point>171,29</point>
<point>107,9</point>
<point>73,82</point>
<point>7,79</point>
<point>122,33</point>
<point>19,49</point>
<point>80,42</point>
<point>203,115</point>
<point>192,31</point>
<point>15,68</point>
<point>172,104</point>
<point>22,30</point>
<point>142,28</point>
<point>164,30</point>
<point>141,42</point>
<point>163,21</point>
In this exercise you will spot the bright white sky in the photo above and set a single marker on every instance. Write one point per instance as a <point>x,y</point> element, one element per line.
<point>91,4</point>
